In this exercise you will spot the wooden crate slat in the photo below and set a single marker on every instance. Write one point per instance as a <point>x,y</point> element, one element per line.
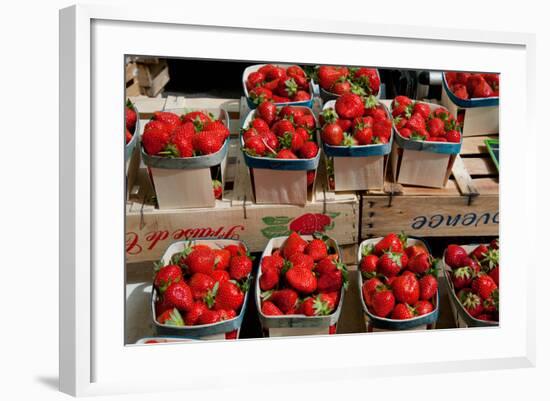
<point>463,178</point>
<point>474,145</point>
<point>480,166</point>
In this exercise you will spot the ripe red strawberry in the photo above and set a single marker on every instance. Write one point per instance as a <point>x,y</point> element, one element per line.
<point>287,87</point>
<point>363,136</point>
<point>368,287</point>
<point>280,99</point>
<point>240,267</point>
<point>270,140</point>
<point>130,117</point>
<point>472,303</point>
<point>217,188</point>
<point>316,306</point>
<point>490,304</point>
<point>423,307</point>
<point>341,88</point>
<point>201,260</point>
<point>419,263</point>
<point>200,284</point>
<point>301,279</point>
<point>192,316</point>
<point>167,117</point>
<point>460,91</point>
<point>390,264</point>
<point>236,250</point>
<point>255,78</point>
<point>462,277</point>
<point>269,279</point>
<point>494,273</point>
<point>382,129</point>
<point>281,127</point>
<point>127,136</point>
<point>368,78</point>
<point>218,129</point>
<point>220,275</point>
<point>416,122</point>
<point>494,244</point>
<point>414,250</point>
<point>209,316</point>
<point>180,295</point>
<point>349,105</point>
<point>167,275</point>
<point>293,244</point>
<point>406,289</point>
<point>483,285</point>
<point>228,296</point>
<point>482,89</point>
<point>291,113</point>
<point>259,125</point>
<point>331,281</point>
<point>198,118</point>
<point>222,259</point>
<point>390,242</point>
<point>332,134</point>
<point>405,132</point>
<point>421,108</point>
<point>171,317</point>
<point>154,140</point>
<point>285,299</point>
<point>309,150</point>
<point>301,260</point>
<point>402,312</point>
<point>292,141</point>
<point>368,264</point>
<point>454,255</point>
<point>453,136</point>
<point>383,302</point>
<point>480,252</point>
<point>328,75</point>
<point>267,111</point>
<point>162,305</point>
<point>401,105</point>
<point>207,143</point>
<point>260,95</point>
<point>472,264</point>
<point>270,309</point>
<point>286,154</point>
<point>255,146</point>
<point>485,317</point>
<point>272,261</point>
<point>428,287</point>
<point>435,127</point>
<point>317,249</point>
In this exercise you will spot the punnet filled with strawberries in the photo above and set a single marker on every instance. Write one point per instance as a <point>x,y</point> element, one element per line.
<point>280,147</point>
<point>465,85</point>
<point>398,283</point>
<point>200,288</point>
<point>131,128</point>
<point>301,283</point>
<point>281,83</point>
<point>185,153</point>
<point>335,81</point>
<point>472,277</point>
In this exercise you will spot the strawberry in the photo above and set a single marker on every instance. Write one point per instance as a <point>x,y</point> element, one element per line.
<point>435,127</point>
<point>292,141</point>
<point>402,312</point>
<point>423,307</point>
<point>304,133</point>
<point>442,113</point>
<point>209,316</point>
<point>316,306</point>
<point>301,260</point>
<point>390,264</point>
<point>317,249</point>
<point>480,252</point>
<point>198,118</point>
<point>472,264</point>
<point>200,284</point>
<point>154,140</point>
<point>364,136</point>
<point>421,108</point>
<point>368,78</point>
<point>255,146</point>
<point>460,91</point>
<point>472,303</point>
<point>281,127</point>
<point>416,122</point>
<point>206,143</point>
<point>287,87</point>
<point>217,188</point>
<point>180,295</point>
<point>240,267</point>
<point>419,263</point>
<point>171,317</point>
<point>255,78</point>
<point>428,287</point>
<point>332,134</point>
<point>368,287</point>
<point>453,136</point>
<point>483,285</point>
<point>401,105</point>
<point>406,289</point>
<point>414,250</point>
<point>390,242</point>
<point>127,136</point>
<point>454,256</point>
<point>368,265</point>
<point>270,309</point>
<point>306,121</point>
<point>201,260</point>
<point>405,132</point>
<point>301,279</point>
<point>267,111</point>
<point>383,302</point>
<point>270,140</point>
<point>290,113</point>
<point>162,305</point>
<point>285,299</point>
<point>259,124</point>
<point>293,244</point>
<point>490,304</point>
<point>349,105</point>
<point>260,95</point>
<point>272,261</point>
<point>328,75</point>
<point>236,250</point>
<point>167,117</point>
<point>228,296</point>
<point>462,277</point>
<point>221,259</point>
<point>331,281</point>
<point>310,178</point>
<point>494,273</point>
<point>485,317</point>
<point>167,275</point>
<point>286,154</point>
<point>220,275</point>
<point>130,116</point>
<point>482,89</point>
<point>269,279</point>
<point>192,316</point>
<point>341,88</point>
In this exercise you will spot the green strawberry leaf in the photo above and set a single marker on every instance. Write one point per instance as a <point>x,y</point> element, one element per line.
<point>275,231</point>
<point>333,215</point>
<point>276,220</point>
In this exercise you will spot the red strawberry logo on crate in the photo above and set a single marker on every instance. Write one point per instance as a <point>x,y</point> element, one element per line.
<point>306,224</point>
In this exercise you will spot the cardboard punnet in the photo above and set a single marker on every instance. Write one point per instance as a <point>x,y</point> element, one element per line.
<point>327,95</point>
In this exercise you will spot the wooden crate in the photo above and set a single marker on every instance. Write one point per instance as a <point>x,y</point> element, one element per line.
<point>467,206</point>
<point>146,76</point>
<point>149,231</point>
<point>132,83</point>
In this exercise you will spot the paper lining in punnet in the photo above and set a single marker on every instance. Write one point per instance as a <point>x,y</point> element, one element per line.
<point>186,182</point>
<point>283,172</point>
<point>352,174</point>
<point>289,325</point>
<point>206,331</point>
<point>130,146</point>
<point>481,115</point>
<point>327,96</point>
<point>250,102</point>
<point>461,316</point>
<point>395,324</point>
<point>423,163</point>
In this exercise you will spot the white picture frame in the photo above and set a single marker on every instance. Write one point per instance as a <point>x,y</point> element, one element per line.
<point>93,41</point>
